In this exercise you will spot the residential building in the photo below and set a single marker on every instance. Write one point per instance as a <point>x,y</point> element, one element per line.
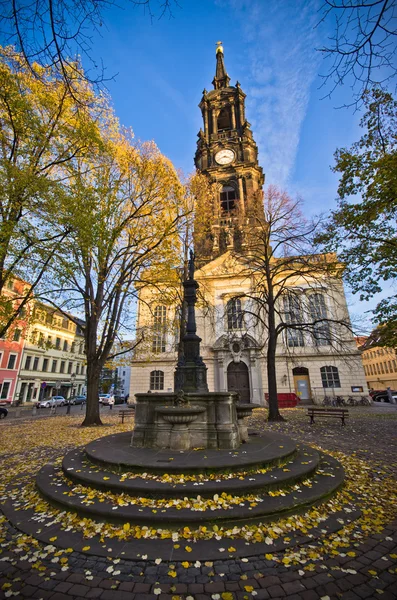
<point>380,364</point>
<point>53,359</point>
<point>11,345</point>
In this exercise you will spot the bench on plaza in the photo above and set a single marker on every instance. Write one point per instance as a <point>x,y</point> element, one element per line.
<point>336,413</point>
<point>127,412</point>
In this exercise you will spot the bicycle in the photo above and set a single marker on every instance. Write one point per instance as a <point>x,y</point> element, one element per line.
<point>364,401</point>
<point>351,401</point>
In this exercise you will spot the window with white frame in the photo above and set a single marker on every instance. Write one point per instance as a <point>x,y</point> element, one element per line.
<point>157,380</point>
<point>4,389</point>
<point>293,317</point>
<point>234,314</point>
<point>318,314</point>
<point>12,360</point>
<point>330,377</point>
<point>159,329</point>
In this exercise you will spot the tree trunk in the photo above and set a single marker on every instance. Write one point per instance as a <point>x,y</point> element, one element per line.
<point>274,413</point>
<point>92,415</point>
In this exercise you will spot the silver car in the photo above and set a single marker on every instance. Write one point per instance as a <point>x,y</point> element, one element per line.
<point>50,402</point>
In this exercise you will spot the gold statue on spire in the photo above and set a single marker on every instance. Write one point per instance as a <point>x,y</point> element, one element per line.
<point>219,47</point>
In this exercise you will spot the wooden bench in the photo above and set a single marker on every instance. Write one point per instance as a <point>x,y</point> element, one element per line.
<point>336,413</point>
<point>127,412</point>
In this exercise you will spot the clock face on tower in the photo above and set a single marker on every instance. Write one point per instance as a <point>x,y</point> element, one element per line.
<point>224,157</point>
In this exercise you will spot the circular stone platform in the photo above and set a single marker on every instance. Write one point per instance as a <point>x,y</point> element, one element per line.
<point>132,490</point>
<point>116,451</point>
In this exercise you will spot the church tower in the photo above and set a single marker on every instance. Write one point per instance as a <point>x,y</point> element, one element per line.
<point>228,155</point>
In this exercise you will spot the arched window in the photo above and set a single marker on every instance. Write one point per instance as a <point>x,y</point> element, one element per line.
<point>224,120</point>
<point>293,317</point>
<point>228,198</point>
<point>157,380</point>
<point>234,314</point>
<point>318,311</point>
<point>330,377</point>
<point>159,329</point>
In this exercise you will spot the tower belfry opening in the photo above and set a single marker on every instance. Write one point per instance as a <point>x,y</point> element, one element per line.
<point>228,155</point>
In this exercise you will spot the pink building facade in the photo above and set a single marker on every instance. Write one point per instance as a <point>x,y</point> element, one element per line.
<point>11,349</point>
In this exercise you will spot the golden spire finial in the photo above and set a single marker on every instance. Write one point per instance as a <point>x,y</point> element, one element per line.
<point>219,47</point>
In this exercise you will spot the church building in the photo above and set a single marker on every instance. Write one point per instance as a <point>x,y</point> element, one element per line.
<point>233,344</point>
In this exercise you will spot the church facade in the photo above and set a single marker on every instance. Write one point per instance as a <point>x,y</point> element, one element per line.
<point>233,343</point>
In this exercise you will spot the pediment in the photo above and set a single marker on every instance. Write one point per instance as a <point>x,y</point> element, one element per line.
<point>224,265</point>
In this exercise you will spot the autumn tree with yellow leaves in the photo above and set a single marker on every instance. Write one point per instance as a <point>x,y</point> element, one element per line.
<point>122,208</point>
<point>41,130</point>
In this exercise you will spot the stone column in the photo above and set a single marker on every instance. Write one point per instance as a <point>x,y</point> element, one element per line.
<point>233,114</point>
<point>205,115</point>
<point>241,194</point>
<point>214,121</point>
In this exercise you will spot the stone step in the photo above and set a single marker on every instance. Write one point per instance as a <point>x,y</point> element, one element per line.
<point>57,490</point>
<point>79,469</point>
<point>262,450</point>
<point>48,531</point>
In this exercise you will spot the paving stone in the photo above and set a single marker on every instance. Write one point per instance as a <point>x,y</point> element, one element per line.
<point>76,578</point>
<point>275,591</point>
<point>107,584</point>
<point>28,591</point>
<point>268,581</point>
<point>60,596</point>
<point>94,593</point>
<point>232,586</point>
<point>309,595</point>
<point>34,580</point>
<point>388,595</point>
<point>78,590</point>
<point>117,595</point>
<point>62,587</point>
<point>364,591</point>
<point>262,594</point>
<point>350,595</point>
<point>43,594</point>
<point>292,587</point>
<point>251,582</point>
<point>195,588</point>
<point>214,588</point>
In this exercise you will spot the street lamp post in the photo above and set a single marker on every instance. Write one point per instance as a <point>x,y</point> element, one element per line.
<point>72,380</point>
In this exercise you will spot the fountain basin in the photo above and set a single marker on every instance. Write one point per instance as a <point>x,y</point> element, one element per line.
<point>179,414</point>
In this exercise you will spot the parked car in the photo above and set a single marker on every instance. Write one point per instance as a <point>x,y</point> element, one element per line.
<point>50,402</point>
<point>381,396</point>
<point>104,398</point>
<point>76,400</point>
<point>3,412</point>
<point>119,399</point>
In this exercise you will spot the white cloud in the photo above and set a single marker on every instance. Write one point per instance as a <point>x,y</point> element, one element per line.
<point>278,43</point>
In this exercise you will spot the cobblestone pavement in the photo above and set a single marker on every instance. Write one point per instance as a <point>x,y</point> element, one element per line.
<point>369,572</point>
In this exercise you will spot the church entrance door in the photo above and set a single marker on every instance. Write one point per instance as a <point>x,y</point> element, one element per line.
<point>238,380</point>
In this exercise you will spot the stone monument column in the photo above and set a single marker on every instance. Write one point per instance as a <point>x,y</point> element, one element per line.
<point>191,372</point>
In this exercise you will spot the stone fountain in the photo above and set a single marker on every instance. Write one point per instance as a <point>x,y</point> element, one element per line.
<point>191,416</point>
<point>190,432</point>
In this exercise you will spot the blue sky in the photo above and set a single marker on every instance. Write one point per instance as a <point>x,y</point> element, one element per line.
<point>161,67</point>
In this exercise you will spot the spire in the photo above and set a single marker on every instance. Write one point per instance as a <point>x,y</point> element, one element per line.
<point>221,79</point>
